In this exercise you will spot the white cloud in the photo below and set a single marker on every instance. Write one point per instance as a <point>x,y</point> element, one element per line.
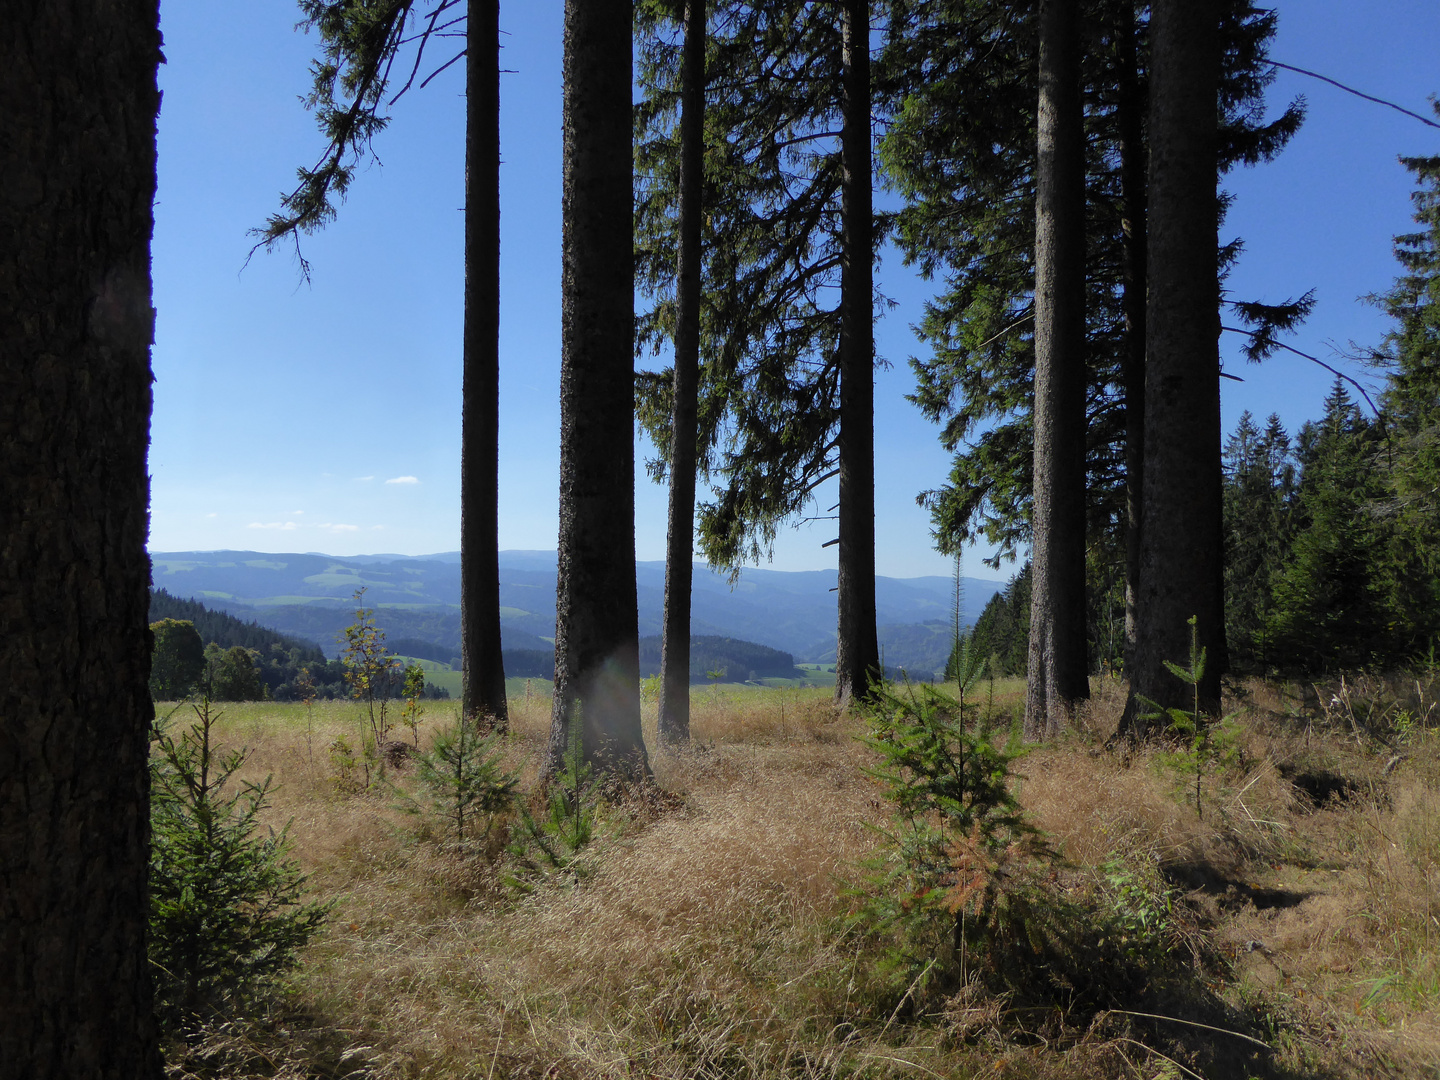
<point>338,527</point>
<point>212,514</point>
<point>376,528</point>
<point>284,526</point>
<point>296,513</point>
<point>403,480</point>
<point>363,479</point>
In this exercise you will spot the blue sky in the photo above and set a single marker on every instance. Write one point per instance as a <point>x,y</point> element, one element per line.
<point>326,417</point>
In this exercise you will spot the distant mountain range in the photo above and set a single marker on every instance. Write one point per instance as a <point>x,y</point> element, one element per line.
<point>312,596</point>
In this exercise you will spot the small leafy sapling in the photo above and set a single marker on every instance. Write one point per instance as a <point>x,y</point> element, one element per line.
<point>369,672</point>
<point>413,691</point>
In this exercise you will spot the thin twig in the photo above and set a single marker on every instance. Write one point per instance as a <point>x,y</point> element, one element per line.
<point>1162,1057</point>
<point>420,52</point>
<point>1018,322</point>
<point>1193,1023</point>
<point>906,997</point>
<point>442,67</point>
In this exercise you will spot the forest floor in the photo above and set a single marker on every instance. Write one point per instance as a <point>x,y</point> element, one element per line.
<point>1285,927</point>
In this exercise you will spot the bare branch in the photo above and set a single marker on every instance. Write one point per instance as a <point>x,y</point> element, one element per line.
<point>1314,360</point>
<point>420,52</point>
<point>442,67</point>
<point>1357,93</point>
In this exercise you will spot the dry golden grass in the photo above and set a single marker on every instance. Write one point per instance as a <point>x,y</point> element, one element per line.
<point>708,940</point>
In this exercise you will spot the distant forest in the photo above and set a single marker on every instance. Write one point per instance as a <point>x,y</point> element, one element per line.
<point>226,630</point>
<point>1331,551</point>
<point>281,661</point>
<point>736,661</point>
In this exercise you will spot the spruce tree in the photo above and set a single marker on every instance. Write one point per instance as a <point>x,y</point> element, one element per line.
<point>783,263</point>
<point>1003,629</point>
<point>1260,477</point>
<point>673,722</point>
<point>857,650</point>
<point>959,79</point>
<point>770,318</point>
<point>1333,597</point>
<point>226,910</point>
<point>1180,588</point>
<point>597,649</point>
<point>1057,656</point>
<point>1411,403</point>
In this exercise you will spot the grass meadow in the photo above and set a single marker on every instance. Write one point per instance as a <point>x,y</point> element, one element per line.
<point>707,933</point>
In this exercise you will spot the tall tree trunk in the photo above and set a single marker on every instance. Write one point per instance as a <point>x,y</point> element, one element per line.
<point>857,652</point>
<point>1057,677</point>
<point>76,324</point>
<point>597,658</point>
<point>1180,566</point>
<point>674,720</point>
<point>1130,110</point>
<point>481,658</point>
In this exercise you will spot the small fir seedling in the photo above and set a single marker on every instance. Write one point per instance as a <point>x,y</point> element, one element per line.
<point>543,846</point>
<point>464,781</point>
<point>226,913</point>
<point>967,668</point>
<point>1194,730</point>
<point>959,839</point>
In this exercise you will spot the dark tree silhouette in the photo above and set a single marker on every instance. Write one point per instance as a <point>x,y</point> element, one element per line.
<point>857,652</point>
<point>596,620</point>
<point>360,45</point>
<point>1058,666</point>
<point>783,201</point>
<point>483,662</point>
<point>77,82</point>
<point>1181,573</point>
<point>674,719</point>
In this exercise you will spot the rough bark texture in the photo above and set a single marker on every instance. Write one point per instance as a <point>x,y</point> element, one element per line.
<point>1130,107</point>
<point>674,719</point>
<point>857,652</point>
<point>1180,563</point>
<point>77,79</point>
<point>484,700</point>
<point>1057,677</point>
<point>597,660</point>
